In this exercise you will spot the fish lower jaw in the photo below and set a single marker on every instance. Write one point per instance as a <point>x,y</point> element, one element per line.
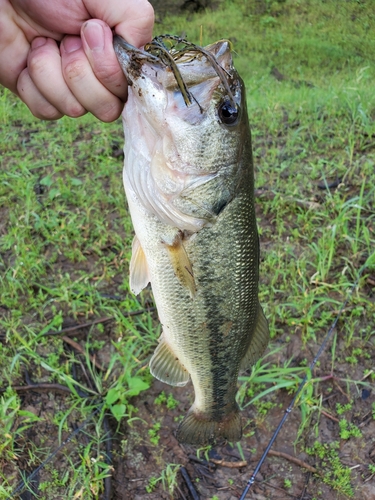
<point>200,429</point>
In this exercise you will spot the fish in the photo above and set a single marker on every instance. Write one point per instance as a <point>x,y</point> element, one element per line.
<point>189,182</point>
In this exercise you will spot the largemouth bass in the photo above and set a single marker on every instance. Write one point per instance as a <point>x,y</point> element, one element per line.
<point>188,179</point>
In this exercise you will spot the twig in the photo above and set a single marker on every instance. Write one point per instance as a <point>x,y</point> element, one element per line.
<point>79,348</point>
<point>193,458</point>
<point>367,375</point>
<point>231,465</point>
<point>204,463</point>
<point>74,328</point>
<point>90,382</point>
<point>339,388</point>
<point>189,484</point>
<point>204,471</point>
<point>294,460</point>
<point>39,387</point>
<point>181,494</point>
<point>80,392</point>
<point>270,195</point>
<point>329,416</point>
<point>305,487</point>
<point>108,459</point>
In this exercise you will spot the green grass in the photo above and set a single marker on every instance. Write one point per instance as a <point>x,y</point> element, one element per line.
<point>65,243</point>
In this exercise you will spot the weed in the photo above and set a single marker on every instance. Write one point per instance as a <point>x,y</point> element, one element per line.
<point>169,401</point>
<point>205,451</point>
<point>340,409</point>
<point>336,474</point>
<point>152,482</point>
<point>154,433</point>
<point>348,430</point>
<point>287,483</point>
<point>168,478</point>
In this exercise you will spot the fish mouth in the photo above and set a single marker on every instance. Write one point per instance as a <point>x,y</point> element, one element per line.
<point>131,58</point>
<point>168,53</point>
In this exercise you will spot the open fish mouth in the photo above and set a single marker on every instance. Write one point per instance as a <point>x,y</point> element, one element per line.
<point>169,52</point>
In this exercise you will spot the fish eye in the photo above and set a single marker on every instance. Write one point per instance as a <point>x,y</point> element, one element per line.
<point>228,114</point>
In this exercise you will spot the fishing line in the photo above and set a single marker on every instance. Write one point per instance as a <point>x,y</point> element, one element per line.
<point>24,482</point>
<point>302,384</point>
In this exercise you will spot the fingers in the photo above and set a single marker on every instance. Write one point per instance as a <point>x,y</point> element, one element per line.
<point>138,23</point>
<point>38,105</point>
<point>132,19</point>
<point>45,71</point>
<point>14,48</point>
<point>83,75</point>
<point>81,79</point>
<point>97,42</point>
<point>69,81</point>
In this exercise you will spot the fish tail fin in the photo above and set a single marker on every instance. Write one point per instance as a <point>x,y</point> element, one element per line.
<point>198,429</point>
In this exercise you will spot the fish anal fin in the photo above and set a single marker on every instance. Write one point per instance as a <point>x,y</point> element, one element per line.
<point>258,342</point>
<point>181,264</point>
<point>165,366</point>
<point>139,274</point>
<point>197,429</point>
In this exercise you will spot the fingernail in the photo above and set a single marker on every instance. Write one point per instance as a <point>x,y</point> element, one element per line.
<point>72,43</point>
<point>38,42</point>
<point>94,35</point>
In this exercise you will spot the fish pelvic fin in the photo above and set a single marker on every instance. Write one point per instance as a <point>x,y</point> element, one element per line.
<point>196,429</point>
<point>258,342</point>
<point>139,274</point>
<point>165,366</point>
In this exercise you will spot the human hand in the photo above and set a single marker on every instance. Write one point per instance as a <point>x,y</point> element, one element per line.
<point>58,57</point>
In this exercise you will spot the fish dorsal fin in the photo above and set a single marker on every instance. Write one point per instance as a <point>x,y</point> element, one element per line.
<point>139,274</point>
<point>258,343</point>
<point>165,366</point>
<point>181,264</point>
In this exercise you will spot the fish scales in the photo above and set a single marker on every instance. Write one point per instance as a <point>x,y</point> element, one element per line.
<point>188,178</point>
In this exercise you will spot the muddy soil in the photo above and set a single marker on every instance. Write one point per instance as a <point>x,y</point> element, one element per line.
<point>142,459</point>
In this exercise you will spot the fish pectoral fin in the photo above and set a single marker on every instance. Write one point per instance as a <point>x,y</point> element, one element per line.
<point>165,366</point>
<point>259,341</point>
<point>181,264</point>
<point>139,274</point>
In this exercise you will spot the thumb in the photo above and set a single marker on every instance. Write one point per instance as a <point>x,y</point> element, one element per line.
<point>132,19</point>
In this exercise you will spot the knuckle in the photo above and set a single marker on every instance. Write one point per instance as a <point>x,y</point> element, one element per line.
<point>108,74</point>
<point>105,70</point>
<point>75,69</point>
<point>36,63</point>
<point>109,112</point>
